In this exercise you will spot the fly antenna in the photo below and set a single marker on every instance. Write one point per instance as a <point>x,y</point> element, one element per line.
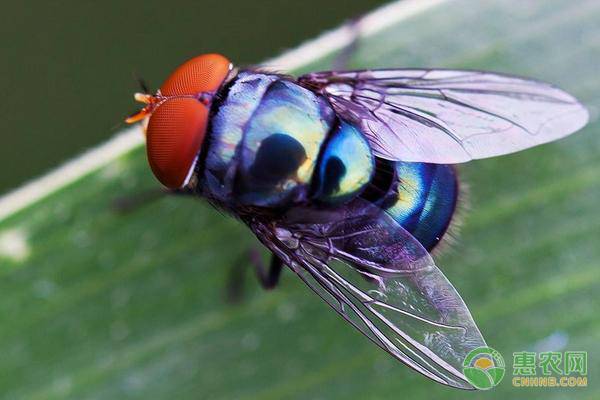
<point>141,82</point>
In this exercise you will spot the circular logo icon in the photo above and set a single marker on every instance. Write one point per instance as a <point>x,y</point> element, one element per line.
<point>484,367</point>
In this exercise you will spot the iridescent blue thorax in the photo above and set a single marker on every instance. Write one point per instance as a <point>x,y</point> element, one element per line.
<point>274,143</point>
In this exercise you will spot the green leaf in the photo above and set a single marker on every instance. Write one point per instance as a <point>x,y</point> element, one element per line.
<point>99,305</point>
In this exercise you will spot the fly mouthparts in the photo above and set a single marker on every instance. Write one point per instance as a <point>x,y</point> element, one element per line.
<point>143,98</point>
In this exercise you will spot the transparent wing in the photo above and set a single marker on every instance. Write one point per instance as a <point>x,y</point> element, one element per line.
<point>448,116</point>
<point>383,282</point>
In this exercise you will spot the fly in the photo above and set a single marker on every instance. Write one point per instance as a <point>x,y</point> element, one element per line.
<point>347,178</point>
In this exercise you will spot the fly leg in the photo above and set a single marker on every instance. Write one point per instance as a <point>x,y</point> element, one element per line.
<point>268,276</point>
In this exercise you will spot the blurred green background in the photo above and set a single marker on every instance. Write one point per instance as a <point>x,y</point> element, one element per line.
<point>98,305</point>
<point>67,66</point>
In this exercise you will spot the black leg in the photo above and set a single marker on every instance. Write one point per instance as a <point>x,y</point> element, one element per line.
<point>268,277</point>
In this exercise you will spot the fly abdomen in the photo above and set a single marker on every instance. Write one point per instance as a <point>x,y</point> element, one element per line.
<point>423,200</point>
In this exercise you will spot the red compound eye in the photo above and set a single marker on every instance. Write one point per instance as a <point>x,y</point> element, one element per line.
<point>175,133</point>
<point>177,126</point>
<point>204,73</point>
